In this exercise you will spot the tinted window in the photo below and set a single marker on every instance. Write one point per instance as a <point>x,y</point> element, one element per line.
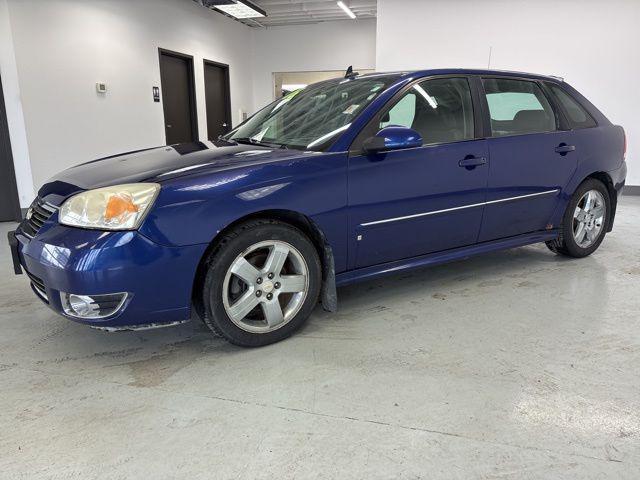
<point>578,116</point>
<point>440,110</point>
<point>517,107</point>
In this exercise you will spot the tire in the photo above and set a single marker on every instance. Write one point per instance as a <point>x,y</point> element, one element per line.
<point>238,276</point>
<point>567,244</point>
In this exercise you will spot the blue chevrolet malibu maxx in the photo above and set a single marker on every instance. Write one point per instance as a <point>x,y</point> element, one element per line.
<point>346,180</point>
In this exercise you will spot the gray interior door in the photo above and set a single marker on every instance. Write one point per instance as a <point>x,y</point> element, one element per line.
<point>178,97</point>
<point>9,202</point>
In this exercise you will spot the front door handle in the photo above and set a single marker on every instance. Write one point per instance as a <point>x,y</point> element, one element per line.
<point>563,148</point>
<point>470,162</point>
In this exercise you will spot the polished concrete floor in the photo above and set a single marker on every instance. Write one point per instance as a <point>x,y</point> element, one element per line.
<point>519,364</point>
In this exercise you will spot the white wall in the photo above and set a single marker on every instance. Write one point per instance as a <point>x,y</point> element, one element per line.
<point>63,47</point>
<point>322,46</point>
<point>13,105</point>
<point>593,44</point>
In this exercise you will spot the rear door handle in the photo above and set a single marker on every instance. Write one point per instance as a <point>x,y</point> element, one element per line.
<point>563,148</point>
<point>470,162</point>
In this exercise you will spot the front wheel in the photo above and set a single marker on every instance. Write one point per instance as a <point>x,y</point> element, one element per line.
<point>585,221</point>
<point>262,283</point>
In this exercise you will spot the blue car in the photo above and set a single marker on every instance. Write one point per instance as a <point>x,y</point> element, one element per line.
<point>343,181</point>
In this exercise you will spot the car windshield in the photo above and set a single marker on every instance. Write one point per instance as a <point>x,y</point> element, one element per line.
<point>311,118</point>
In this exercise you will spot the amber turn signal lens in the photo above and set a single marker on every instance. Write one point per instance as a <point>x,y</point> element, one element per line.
<point>119,204</point>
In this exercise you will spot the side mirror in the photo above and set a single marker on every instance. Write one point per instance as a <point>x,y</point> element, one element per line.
<point>392,138</point>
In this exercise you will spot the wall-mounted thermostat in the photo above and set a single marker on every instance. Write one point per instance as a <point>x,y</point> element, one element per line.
<point>101,87</point>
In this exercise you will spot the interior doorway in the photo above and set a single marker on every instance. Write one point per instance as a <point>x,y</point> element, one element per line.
<point>217,98</point>
<point>178,97</point>
<point>9,200</point>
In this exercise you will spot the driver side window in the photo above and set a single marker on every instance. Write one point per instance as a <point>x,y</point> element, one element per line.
<point>402,113</point>
<point>440,110</point>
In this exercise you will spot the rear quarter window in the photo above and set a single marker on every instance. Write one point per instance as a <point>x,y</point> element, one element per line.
<point>577,115</point>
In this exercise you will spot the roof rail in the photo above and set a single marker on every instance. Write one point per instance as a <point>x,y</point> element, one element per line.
<point>557,77</point>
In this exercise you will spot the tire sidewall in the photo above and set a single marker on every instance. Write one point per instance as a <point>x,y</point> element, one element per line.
<point>569,240</point>
<point>221,261</point>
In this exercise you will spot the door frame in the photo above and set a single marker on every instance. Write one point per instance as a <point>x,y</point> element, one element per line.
<point>227,81</point>
<point>193,105</point>
<point>6,151</point>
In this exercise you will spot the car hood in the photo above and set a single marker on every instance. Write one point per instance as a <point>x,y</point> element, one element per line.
<point>161,164</point>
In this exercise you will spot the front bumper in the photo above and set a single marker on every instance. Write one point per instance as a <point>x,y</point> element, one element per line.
<point>157,279</point>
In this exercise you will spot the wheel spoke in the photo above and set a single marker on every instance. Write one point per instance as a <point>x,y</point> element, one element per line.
<point>579,231</point>
<point>275,261</point>
<point>598,211</point>
<point>243,269</point>
<point>579,214</point>
<point>243,306</point>
<point>588,203</point>
<point>584,235</point>
<point>589,234</point>
<point>272,312</point>
<point>292,283</point>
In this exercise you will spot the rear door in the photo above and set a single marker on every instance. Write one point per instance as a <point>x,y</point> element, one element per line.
<point>532,160</point>
<point>415,201</point>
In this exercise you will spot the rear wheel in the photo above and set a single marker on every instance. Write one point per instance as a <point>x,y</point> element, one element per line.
<point>585,221</point>
<point>262,283</point>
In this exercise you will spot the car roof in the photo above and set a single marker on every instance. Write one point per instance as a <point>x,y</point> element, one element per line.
<point>463,71</point>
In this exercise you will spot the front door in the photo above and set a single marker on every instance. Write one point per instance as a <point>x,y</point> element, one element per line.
<point>531,159</point>
<point>216,90</point>
<point>412,202</point>
<point>178,97</point>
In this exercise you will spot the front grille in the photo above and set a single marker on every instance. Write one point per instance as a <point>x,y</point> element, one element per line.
<point>38,286</point>
<point>38,213</point>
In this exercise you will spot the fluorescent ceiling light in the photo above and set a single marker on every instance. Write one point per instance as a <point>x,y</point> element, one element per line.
<point>346,9</point>
<point>241,9</point>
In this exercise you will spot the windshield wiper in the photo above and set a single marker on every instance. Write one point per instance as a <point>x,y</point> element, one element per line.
<point>253,141</point>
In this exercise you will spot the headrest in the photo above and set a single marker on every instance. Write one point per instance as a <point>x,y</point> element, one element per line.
<point>532,121</point>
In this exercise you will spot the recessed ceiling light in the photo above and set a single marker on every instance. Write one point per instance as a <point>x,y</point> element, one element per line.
<point>346,9</point>
<point>241,9</point>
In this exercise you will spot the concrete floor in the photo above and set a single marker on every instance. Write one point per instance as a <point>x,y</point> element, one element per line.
<point>519,364</point>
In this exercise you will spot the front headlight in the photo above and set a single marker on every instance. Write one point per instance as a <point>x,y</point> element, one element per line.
<point>121,207</point>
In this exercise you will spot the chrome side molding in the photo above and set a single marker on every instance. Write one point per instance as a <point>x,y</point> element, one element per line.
<point>436,212</point>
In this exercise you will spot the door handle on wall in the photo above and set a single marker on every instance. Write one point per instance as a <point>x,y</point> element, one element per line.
<point>470,162</point>
<point>563,148</point>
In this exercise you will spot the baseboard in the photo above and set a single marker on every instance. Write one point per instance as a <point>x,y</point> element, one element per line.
<point>631,190</point>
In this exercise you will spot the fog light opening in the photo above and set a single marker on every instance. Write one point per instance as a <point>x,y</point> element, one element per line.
<point>92,306</point>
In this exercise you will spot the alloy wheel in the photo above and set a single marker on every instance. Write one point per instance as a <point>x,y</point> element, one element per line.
<point>265,286</point>
<point>588,218</point>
